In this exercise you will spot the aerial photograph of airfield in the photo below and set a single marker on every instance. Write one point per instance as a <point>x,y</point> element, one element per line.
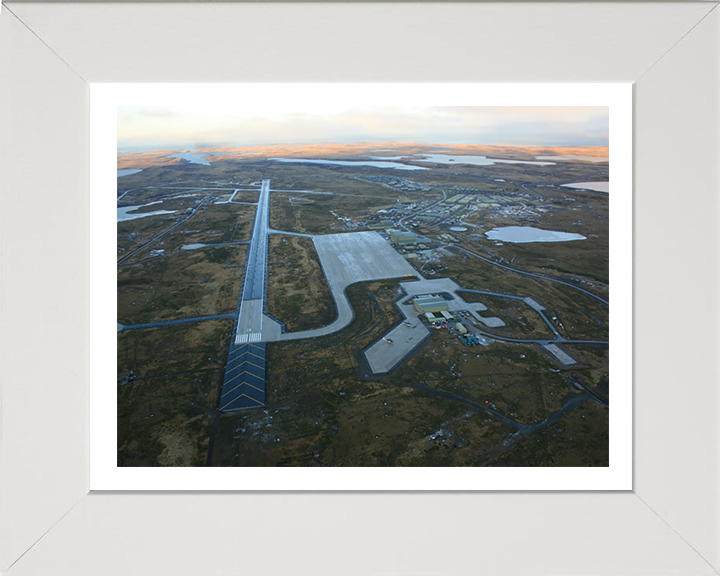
<point>420,286</point>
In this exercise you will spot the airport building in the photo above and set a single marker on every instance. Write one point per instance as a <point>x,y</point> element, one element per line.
<point>430,303</point>
<point>401,238</point>
<point>381,225</point>
<point>430,317</point>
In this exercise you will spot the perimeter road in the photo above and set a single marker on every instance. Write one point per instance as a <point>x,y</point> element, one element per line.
<point>533,275</point>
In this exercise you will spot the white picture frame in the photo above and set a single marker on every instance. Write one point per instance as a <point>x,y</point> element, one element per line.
<point>49,523</point>
<point>105,101</point>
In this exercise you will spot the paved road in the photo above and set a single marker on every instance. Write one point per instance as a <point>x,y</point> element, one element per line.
<point>572,401</point>
<point>229,200</point>
<point>595,395</point>
<point>272,231</point>
<point>198,245</point>
<point>524,187</point>
<point>166,231</point>
<point>173,322</point>
<point>529,301</point>
<point>401,222</point>
<point>549,345</point>
<point>306,192</point>
<point>543,341</point>
<point>533,275</point>
<point>477,406</point>
<point>200,188</point>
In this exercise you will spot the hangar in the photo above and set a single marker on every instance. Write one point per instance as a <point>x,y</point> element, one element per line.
<point>430,303</point>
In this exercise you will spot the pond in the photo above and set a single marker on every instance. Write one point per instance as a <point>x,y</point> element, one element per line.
<point>460,159</point>
<point>394,165</point>
<point>571,157</point>
<point>524,234</point>
<point>475,160</point>
<point>594,186</point>
<point>127,172</point>
<point>128,212</point>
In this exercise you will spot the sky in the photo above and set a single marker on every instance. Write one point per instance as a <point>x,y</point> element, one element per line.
<point>201,127</point>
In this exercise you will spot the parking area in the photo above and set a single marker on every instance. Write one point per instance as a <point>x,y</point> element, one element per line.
<point>358,257</point>
<point>490,321</point>
<point>534,305</point>
<point>564,357</point>
<point>389,351</point>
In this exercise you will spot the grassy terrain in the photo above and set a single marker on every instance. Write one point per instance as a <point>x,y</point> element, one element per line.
<point>297,293</point>
<point>131,234</point>
<point>184,284</point>
<point>578,439</point>
<point>166,421</point>
<point>165,413</point>
<point>577,316</point>
<point>587,259</point>
<point>516,380</point>
<point>171,198</point>
<point>594,361</point>
<point>209,225</point>
<point>313,214</point>
<point>521,321</point>
<point>154,352</point>
<point>180,172</point>
<point>323,410</point>
<point>214,224</point>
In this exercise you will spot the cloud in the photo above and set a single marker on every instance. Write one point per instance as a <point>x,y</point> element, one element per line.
<point>552,125</point>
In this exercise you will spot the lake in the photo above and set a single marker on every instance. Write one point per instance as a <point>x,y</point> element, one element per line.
<point>127,172</point>
<point>460,159</point>
<point>124,212</point>
<point>594,186</point>
<point>395,165</point>
<point>571,157</point>
<point>524,234</point>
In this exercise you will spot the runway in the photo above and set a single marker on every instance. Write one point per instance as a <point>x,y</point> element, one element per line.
<point>244,380</point>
